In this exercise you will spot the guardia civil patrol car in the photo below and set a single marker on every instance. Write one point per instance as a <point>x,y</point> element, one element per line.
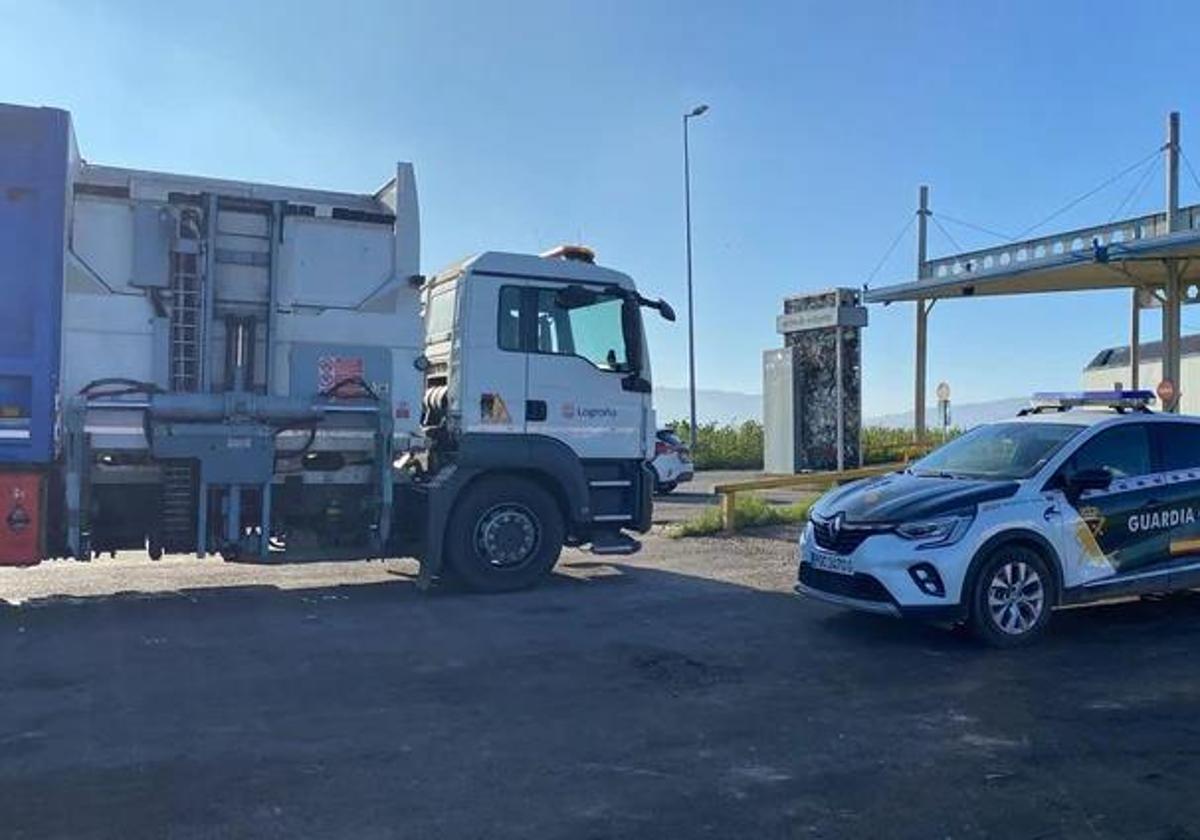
<point>1083,497</point>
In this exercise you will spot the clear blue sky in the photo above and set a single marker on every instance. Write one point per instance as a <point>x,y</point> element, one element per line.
<point>533,123</point>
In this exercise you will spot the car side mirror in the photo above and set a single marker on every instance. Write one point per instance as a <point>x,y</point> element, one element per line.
<point>1093,478</point>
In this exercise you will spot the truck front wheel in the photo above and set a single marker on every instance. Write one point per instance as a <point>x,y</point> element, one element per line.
<point>506,533</point>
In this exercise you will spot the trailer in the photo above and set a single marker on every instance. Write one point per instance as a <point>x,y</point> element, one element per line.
<point>197,365</point>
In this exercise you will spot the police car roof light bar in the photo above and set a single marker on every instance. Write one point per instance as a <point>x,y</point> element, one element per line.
<point>1119,400</point>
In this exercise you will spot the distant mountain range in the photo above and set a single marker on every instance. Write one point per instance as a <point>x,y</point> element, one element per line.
<point>711,406</point>
<point>961,416</point>
<point>735,406</point>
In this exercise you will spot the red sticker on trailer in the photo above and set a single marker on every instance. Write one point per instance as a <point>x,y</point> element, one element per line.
<point>332,370</point>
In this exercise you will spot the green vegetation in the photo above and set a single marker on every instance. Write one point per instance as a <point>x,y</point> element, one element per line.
<point>731,446</point>
<point>739,446</point>
<point>883,445</point>
<point>749,512</point>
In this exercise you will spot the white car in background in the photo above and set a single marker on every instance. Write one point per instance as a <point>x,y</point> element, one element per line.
<point>672,462</point>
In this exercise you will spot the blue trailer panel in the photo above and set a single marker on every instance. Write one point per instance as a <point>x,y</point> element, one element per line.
<point>35,148</point>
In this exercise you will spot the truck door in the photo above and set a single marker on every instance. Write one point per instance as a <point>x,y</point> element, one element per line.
<point>494,362</point>
<point>581,372</point>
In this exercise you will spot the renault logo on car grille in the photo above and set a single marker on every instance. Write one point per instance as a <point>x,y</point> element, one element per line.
<point>835,526</point>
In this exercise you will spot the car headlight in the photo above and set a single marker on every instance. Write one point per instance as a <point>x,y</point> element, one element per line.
<point>943,530</point>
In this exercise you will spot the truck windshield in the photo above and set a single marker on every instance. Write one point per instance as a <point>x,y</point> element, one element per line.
<point>998,451</point>
<point>440,317</point>
<point>593,331</point>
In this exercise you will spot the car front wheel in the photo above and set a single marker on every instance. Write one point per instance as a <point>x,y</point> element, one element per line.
<point>1012,597</point>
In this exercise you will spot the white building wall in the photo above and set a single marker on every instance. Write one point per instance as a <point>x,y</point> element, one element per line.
<point>1151,374</point>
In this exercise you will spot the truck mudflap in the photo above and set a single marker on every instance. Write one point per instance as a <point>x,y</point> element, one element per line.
<point>645,512</point>
<point>441,491</point>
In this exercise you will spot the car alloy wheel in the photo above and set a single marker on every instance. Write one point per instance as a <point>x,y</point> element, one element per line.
<point>1016,597</point>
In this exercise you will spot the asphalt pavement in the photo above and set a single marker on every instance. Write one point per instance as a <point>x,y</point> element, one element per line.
<point>682,692</point>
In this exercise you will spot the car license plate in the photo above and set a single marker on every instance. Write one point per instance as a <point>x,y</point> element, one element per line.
<point>830,562</point>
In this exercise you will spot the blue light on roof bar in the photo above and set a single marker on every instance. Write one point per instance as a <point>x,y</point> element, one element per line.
<point>1095,395</point>
<point>1125,398</point>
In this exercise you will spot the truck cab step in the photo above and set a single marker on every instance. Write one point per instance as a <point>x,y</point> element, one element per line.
<point>614,542</point>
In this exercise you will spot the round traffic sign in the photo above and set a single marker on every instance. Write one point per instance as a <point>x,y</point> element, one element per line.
<point>943,391</point>
<point>1166,392</point>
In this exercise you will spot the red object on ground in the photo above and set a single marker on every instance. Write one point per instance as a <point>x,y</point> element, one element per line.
<point>21,518</point>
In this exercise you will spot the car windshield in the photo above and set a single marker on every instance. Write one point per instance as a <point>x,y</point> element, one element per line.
<point>998,451</point>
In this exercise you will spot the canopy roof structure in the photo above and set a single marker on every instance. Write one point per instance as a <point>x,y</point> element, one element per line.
<point>1131,253</point>
<point>1156,255</point>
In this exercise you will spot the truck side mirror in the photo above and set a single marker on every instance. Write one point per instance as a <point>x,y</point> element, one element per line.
<point>636,383</point>
<point>574,297</point>
<point>665,309</point>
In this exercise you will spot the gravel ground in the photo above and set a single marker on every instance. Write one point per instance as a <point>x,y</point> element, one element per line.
<point>682,692</point>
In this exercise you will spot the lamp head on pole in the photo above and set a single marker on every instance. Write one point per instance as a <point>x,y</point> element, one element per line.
<point>697,111</point>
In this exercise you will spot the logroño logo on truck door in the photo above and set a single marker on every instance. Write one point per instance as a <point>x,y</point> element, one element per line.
<point>571,411</point>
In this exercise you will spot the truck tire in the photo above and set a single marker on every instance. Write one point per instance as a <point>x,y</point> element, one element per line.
<point>505,534</point>
<point>1012,597</point>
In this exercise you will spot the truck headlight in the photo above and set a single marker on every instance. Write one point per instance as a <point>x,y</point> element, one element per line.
<point>943,530</point>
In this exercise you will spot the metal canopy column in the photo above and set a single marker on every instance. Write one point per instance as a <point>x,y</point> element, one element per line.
<point>1172,297</point>
<point>922,314</point>
<point>1135,340</point>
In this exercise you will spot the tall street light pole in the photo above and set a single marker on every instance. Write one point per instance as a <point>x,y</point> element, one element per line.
<point>687,209</point>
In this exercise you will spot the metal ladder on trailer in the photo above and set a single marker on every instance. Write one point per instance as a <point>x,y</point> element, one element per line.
<point>185,347</point>
<point>186,318</point>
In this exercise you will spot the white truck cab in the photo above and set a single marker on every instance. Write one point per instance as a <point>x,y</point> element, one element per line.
<point>538,384</point>
<point>530,361</point>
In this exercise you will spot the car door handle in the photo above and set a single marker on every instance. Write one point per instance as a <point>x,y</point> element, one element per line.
<point>535,410</point>
<point>1151,503</point>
